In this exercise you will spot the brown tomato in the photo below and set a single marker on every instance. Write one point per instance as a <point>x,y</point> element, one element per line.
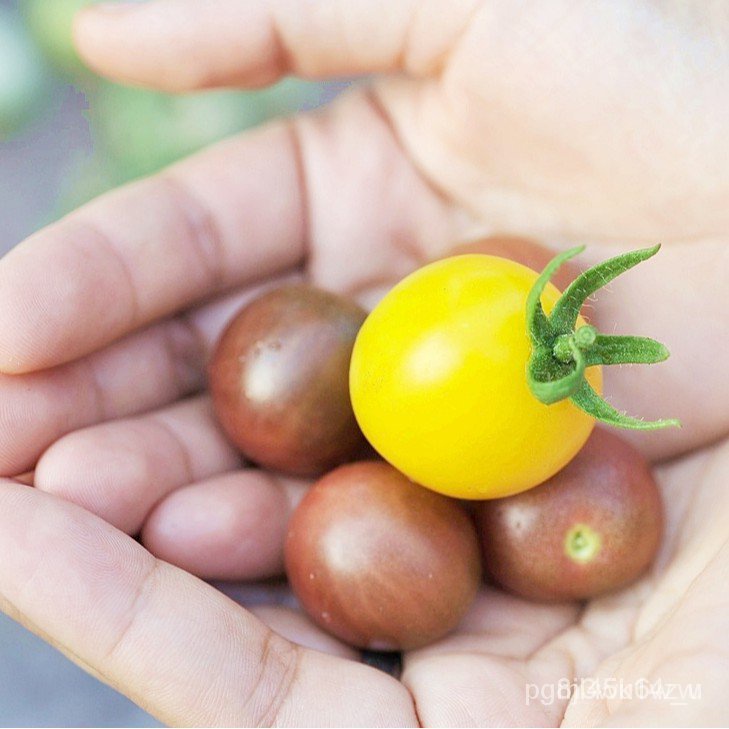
<point>379,561</point>
<point>279,378</point>
<point>593,527</point>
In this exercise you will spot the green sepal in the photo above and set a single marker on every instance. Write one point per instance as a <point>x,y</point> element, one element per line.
<point>614,349</point>
<point>588,400</point>
<point>550,383</point>
<point>567,309</point>
<point>538,325</point>
<point>560,355</point>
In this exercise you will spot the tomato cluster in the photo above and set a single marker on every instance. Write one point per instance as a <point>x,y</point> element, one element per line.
<point>436,379</point>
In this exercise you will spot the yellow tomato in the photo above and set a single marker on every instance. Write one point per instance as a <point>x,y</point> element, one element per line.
<point>438,382</point>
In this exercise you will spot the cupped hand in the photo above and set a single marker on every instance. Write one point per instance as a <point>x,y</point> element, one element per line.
<point>566,122</point>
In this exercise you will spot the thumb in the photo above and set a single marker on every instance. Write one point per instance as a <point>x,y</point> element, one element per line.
<point>186,44</point>
<point>170,642</point>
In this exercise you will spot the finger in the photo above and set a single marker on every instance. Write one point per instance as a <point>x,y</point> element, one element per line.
<point>231,527</point>
<point>185,44</point>
<point>476,676</point>
<point>171,643</point>
<point>229,216</point>
<point>297,628</point>
<point>255,594</point>
<point>120,470</point>
<point>499,624</point>
<point>490,646</point>
<point>685,651</point>
<point>145,370</point>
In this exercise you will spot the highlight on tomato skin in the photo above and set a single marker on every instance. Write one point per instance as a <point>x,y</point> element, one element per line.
<point>279,380</point>
<point>379,561</point>
<point>438,383</point>
<point>593,527</point>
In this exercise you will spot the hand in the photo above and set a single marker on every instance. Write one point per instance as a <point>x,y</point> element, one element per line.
<point>574,124</point>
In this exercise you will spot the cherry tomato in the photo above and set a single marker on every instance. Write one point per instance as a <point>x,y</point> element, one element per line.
<point>379,561</point>
<point>593,527</point>
<point>278,378</point>
<point>439,388</point>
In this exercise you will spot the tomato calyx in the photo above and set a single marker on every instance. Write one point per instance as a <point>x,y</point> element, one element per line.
<point>561,351</point>
<point>582,543</point>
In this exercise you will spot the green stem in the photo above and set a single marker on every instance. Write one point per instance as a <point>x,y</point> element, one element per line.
<point>561,353</point>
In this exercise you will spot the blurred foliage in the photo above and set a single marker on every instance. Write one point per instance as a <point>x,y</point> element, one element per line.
<point>135,131</point>
<point>141,131</point>
<point>50,22</point>
<point>22,76</point>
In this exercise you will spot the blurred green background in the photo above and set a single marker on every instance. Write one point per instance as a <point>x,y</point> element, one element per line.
<point>84,135</point>
<point>67,136</point>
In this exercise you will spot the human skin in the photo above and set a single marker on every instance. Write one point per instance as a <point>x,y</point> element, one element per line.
<point>569,122</point>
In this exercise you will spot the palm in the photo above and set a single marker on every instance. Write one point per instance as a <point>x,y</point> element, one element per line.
<point>389,177</point>
<point>663,628</point>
